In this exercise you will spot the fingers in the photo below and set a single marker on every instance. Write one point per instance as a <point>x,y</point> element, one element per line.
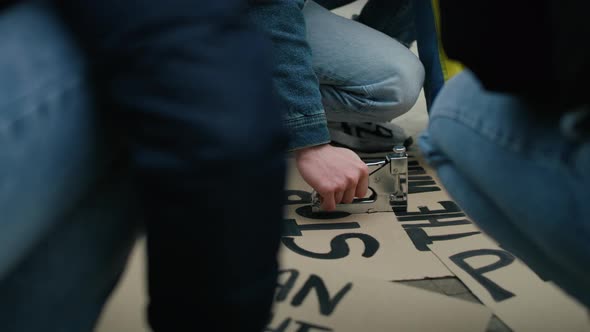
<point>359,185</point>
<point>328,203</point>
<point>337,174</point>
<point>330,199</point>
<point>349,194</point>
<point>363,184</point>
<point>354,184</point>
<point>338,197</point>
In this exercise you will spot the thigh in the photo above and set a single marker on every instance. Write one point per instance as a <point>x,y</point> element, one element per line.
<point>346,52</point>
<point>61,248</point>
<point>520,164</point>
<point>361,70</point>
<point>51,150</point>
<point>67,276</point>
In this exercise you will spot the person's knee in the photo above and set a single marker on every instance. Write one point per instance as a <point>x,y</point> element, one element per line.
<point>398,89</point>
<point>453,105</point>
<point>463,89</point>
<point>410,76</point>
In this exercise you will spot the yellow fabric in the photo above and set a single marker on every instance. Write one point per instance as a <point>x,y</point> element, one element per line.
<point>449,67</point>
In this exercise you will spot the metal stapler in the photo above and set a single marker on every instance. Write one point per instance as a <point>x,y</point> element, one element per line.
<point>388,186</point>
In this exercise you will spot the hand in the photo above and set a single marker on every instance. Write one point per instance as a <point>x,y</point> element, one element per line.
<point>337,174</point>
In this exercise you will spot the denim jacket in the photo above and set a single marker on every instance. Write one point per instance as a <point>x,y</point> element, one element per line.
<point>296,84</point>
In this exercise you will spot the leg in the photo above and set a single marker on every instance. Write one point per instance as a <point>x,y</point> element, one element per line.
<point>193,87</point>
<point>63,243</point>
<point>63,282</point>
<point>366,79</point>
<point>364,74</point>
<point>520,179</point>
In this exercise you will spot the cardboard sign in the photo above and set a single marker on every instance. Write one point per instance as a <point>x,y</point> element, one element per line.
<point>373,243</point>
<point>431,238</point>
<point>507,286</point>
<point>317,299</point>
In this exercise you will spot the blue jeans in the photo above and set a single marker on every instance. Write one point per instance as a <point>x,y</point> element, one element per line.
<point>364,75</point>
<point>522,177</point>
<point>327,67</point>
<point>67,217</point>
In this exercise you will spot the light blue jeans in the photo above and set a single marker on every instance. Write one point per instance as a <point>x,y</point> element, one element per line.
<point>524,178</point>
<point>327,67</point>
<point>66,214</point>
<point>364,75</point>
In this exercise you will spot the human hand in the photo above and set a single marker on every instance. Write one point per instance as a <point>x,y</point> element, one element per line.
<point>337,174</point>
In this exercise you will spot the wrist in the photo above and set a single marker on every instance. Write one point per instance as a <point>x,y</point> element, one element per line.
<point>308,149</point>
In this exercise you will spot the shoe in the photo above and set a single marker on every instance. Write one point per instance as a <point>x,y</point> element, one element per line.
<point>368,137</point>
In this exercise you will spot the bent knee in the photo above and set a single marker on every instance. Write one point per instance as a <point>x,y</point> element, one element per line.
<point>398,88</point>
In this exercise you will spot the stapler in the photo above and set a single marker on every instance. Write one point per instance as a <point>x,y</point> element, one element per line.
<point>388,186</point>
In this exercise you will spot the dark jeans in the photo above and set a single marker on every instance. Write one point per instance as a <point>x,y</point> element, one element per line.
<point>187,85</point>
<point>191,81</point>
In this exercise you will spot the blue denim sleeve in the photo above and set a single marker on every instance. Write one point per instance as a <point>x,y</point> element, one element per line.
<point>296,84</point>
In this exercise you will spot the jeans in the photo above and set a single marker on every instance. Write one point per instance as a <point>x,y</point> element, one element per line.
<point>364,75</point>
<point>295,83</point>
<point>164,81</point>
<point>329,66</point>
<point>190,86</point>
<point>68,219</point>
<point>521,176</point>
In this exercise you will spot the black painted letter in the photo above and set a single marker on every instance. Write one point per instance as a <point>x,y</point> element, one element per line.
<point>327,304</point>
<point>421,240</point>
<point>504,259</point>
<point>284,289</point>
<point>339,247</point>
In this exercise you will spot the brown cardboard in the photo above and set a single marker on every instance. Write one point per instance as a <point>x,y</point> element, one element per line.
<point>528,303</point>
<point>352,303</point>
<point>394,258</point>
<point>378,247</point>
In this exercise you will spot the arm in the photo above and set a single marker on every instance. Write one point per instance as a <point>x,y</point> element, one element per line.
<point>337,174</point>
<point>295,82</point>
